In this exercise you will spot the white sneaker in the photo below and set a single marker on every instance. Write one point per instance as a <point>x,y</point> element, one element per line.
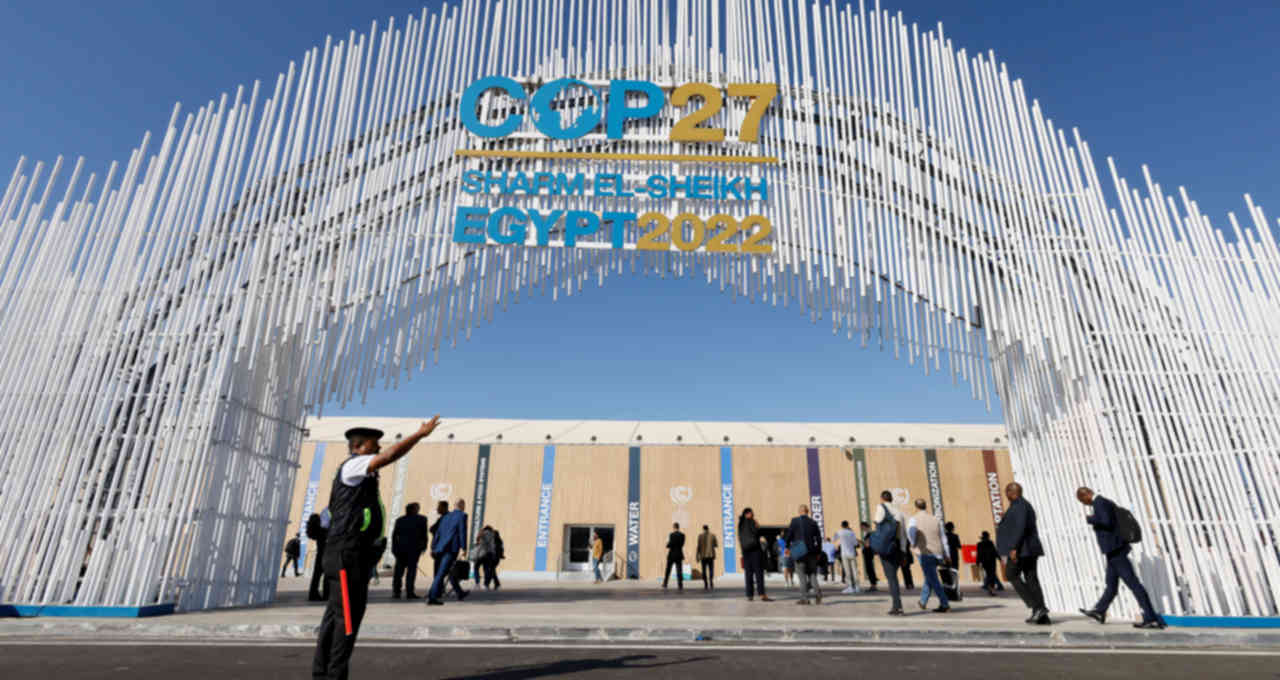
<point>849,591</point>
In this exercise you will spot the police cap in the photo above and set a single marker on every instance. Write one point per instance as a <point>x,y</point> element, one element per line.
<point>364,433</point>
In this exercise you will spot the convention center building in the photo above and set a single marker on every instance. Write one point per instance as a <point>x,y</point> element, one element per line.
<point>546,485</point>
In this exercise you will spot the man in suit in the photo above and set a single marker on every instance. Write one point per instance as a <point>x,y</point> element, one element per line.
<point>450,539</point>
<point>1119,568</point>
<point>675,557</point>
<point>804,534</point>
<point>1018,542</point>
<point>987,557</point>
<point>408,541</point>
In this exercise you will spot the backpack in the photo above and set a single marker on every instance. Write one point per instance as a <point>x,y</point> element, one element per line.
<point>884,539</point>
<point>1127,527</point>
<point>292,547</point>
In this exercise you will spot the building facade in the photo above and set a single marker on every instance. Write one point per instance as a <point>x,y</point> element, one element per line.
<point>545,485</point>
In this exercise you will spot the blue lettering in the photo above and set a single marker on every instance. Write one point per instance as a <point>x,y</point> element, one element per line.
<point>542,225</point>
<point>547,119</point>
<point>762,188</point>
<point>472,181</point>
<point>466,219</point>
<point>579,223</point>
<point>619,221</point>
<point>471,97</point>
<point>700,186</point>
<point>517,231</point>
<point>619,113</point>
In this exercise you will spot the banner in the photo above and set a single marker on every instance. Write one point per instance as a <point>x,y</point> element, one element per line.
<point>309,498</point>
<point>544,508</point>
<point>860,481</point>
<point>993,486</point>
<point>728,519</point>
<point>815,490</point>
<point>633,512</point>
<point>935,481</point>
<point>482,486</point>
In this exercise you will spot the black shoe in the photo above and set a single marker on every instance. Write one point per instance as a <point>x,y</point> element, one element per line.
<point>462,594</point>
<point>942,610</point>
<point>802,602</point>
<point>818,599</point>
<point>411,596</point>
<point>922,605</point>
<point>1043,618</point>
<point>1154,625</point>
<point>897,612</point>
<point>395,596</point>
<point>1095,615</point>
<point>433,601</point>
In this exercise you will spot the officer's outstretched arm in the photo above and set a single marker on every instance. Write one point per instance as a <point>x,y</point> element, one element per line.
<point>397,450</point>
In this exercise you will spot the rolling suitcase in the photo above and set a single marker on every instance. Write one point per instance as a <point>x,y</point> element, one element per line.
<point>950,577</point>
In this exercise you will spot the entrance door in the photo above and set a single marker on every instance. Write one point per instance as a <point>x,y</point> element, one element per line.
<point>577,545</point>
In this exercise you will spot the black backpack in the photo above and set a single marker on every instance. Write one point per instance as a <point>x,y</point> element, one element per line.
<point>884,540</point>
<point>1127,527</point>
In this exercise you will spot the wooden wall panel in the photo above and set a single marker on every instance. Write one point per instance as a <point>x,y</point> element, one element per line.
<point>590,488</point>
<point>898,468</point>
<point>515,480</point>
<point>771,480</point>
<point>964,490</point>
<point>663,468</point>
<point>437,471</point>
<point>839,489</point>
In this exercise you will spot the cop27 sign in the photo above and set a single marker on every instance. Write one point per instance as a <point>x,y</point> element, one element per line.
<point>495,216</point>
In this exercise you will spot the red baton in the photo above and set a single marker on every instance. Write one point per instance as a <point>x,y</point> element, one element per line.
<point>346,600</point>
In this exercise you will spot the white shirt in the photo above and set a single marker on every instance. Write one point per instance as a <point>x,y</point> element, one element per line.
<point>356,470</point>
<point>848,542</point>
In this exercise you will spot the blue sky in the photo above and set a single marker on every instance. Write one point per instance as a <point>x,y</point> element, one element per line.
<point>1191,89</point>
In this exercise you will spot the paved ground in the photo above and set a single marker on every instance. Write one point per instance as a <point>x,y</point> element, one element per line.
<point>226,661</point>
<point>635,612</point>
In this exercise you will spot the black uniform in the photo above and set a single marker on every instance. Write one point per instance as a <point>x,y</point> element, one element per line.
<point>675,558</point>
<point>357,519</point>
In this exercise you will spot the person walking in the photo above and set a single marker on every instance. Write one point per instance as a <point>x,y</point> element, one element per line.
<point>597,554</point>
<point>356,523</point>
<point>292,548</point>
<point>829,552</point>
<point>785,564</point>
<point>987,558</point>
<point>950,574</point>
<point>1114,545</point>
<point>318,532</point>
<point>449,541</point>
<point>707,544</point>
<point>849,544</point>
<point>496,555</point>
<point>442,509</point>
<point>675,557</point>
<point>927,538</point>
<point>753,555</point>
<point>804,541</point>
<point>408,542</point>
<point>908,579</point>
<point>485,557</point>
<point>1018,542</point>
<point>868,557</point>
<point>889,540</point>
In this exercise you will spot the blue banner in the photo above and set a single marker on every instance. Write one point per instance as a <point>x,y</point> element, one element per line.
<point>728,519</point>
<point>544,508</point>
<point>815,490</point>
<point>633,513</point>
<point>309,498</point>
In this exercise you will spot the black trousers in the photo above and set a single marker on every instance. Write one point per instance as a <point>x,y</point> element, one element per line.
<point>891,566</point>
<point>406,567</point>
<point>1119,568</point>
<point>708,573</point>
<point>319,586</point>
<point>1022,573</point>
<point>678,563</point>
<point>290,559</point>
<point>908,581</point>
<point>990,578</point>
<point>490,567</point>
<point>869,565</point>
<point>753,565</point>
<point>334,645</point>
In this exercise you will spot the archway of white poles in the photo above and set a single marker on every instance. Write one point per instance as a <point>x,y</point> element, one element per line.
<point>168,325</point>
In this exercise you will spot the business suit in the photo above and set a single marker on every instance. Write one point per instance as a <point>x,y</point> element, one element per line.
<point>1017,532</point>
<point>450,538</point>
<point>804,530</point>
<point>675,558</point>
<point>408,541</point>
<point>1119,568</point>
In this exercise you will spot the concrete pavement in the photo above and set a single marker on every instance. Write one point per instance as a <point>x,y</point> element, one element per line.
<point>635,612</point>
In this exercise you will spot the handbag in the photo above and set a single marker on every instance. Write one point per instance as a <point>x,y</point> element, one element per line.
<point>799,550</point>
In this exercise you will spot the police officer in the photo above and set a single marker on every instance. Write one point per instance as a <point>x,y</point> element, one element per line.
<point>357,520</point>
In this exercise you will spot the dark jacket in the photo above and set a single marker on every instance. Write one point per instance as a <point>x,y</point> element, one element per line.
<point>804,530</point>
<point>1103,520</point>
<point>293,548</point>
<point>1017,531</point>
<point>409,536</point>
<point>749,535</point>
<point>953,549</point>
<point>987,552</point>
<point>452,534</point>
<point>675,546</point>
